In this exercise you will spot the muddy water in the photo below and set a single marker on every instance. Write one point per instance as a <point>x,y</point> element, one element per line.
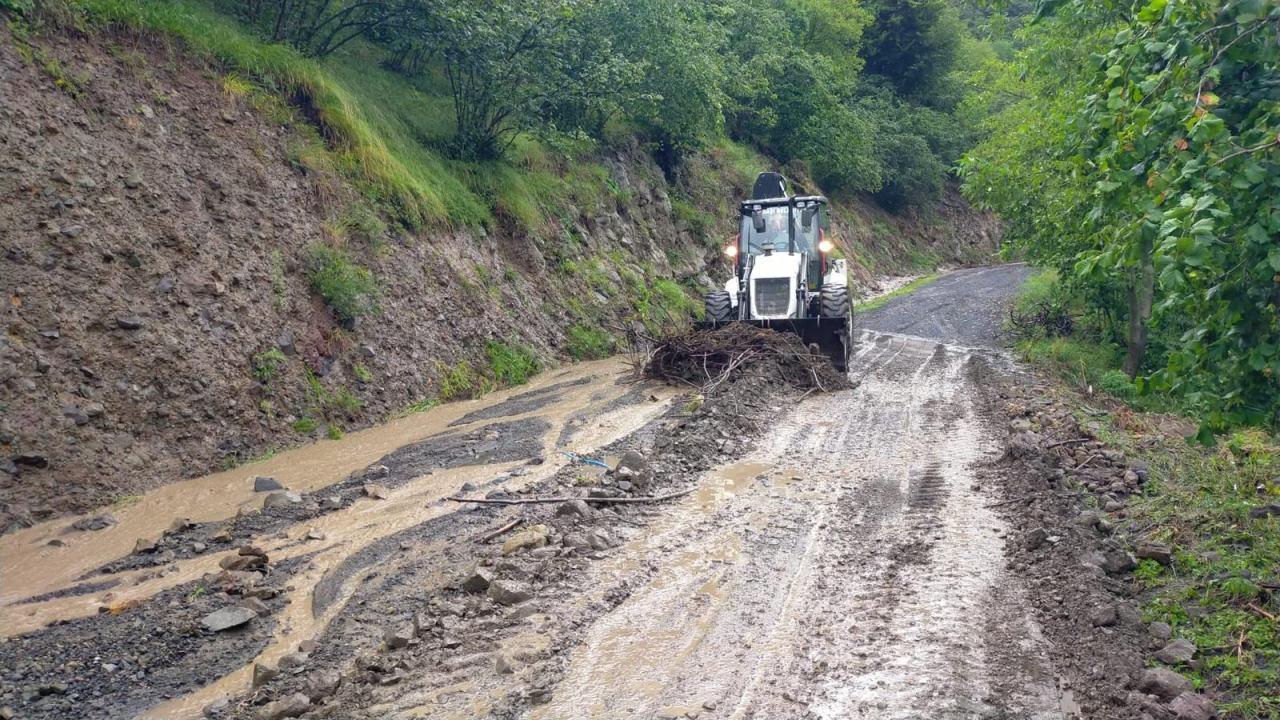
<point>590,392</point>
<point>847,570</point>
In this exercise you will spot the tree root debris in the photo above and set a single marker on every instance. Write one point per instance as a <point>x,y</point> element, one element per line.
<point>707,359</point>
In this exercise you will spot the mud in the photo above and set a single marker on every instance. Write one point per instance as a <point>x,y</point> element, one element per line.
<point>910,548</point>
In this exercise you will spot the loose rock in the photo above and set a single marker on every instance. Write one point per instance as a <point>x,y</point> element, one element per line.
<point>286,707</point>
<point>1190,706</point>
<point>509,592</point>
<point>227,618</point>
<point>1177,652</point>
<point>530,537</point>
<point>1163,683</point>
<point>262,483</point>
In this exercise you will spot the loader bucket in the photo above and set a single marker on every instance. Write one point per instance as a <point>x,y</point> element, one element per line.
<point>831,336</point>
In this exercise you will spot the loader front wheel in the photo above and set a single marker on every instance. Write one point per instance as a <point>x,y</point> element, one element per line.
<point>834,302</point>
<point>719,308</point>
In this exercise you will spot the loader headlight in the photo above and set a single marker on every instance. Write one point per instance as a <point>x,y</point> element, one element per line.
<point>825,246</point>
<point>731,251</point>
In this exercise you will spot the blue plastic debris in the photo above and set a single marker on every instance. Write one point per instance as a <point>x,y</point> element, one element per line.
<point>584,459</point>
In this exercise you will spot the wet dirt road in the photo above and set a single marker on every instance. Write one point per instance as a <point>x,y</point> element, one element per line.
<point>850,568</point>
<point>850,565</point>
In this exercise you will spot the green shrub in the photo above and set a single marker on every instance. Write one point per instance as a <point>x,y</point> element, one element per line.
<point>349,289</point>
<point>589,343</point>
<point>267,363</point>
<point>304,425</point>
<point>511,364</point>
<point>1115,382</point>
<point>334,432</point>
<point>462,381</point>
<point>362,373</point>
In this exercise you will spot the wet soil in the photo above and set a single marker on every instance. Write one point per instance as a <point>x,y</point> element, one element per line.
<point>911,548</point>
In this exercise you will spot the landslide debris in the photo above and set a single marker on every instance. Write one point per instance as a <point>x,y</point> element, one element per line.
<point>707,359</point>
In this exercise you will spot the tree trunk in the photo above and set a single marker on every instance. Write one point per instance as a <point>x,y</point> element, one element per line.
<point>1141,293</point>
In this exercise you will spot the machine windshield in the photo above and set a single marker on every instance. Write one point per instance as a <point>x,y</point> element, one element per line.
<point>775,232</point>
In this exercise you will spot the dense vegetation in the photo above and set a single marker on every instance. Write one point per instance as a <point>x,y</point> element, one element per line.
<point>1137,151</point>
<point>784,75</point>
<point>862,97</point>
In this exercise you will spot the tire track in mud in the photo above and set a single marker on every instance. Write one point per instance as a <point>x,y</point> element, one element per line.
<point>872,586</point>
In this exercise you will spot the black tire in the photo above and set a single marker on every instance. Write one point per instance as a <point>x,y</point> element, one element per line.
<point>840,353</point>
<point>718,306</point>
<point>834,302</point>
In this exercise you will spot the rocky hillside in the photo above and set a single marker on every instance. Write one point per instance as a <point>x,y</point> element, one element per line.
<point>163,253</point>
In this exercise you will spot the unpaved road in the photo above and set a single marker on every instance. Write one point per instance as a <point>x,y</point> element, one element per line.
<point>844,560</point>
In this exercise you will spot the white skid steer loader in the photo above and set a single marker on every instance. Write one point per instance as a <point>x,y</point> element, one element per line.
<point>784,276</point>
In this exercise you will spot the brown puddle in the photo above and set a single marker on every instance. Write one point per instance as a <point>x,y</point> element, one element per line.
<point>30,567</point>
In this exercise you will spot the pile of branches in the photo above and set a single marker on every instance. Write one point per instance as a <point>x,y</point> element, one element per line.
<point>1041,319</point>
<point>707,359</point>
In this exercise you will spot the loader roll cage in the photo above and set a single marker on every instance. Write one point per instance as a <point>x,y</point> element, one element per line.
<point>763,222</point>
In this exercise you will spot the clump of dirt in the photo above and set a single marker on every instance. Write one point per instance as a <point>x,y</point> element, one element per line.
<point>1065,496</point>
<point>707,359</point>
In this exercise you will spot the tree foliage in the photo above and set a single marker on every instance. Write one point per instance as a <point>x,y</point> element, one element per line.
<point>1153,175</point>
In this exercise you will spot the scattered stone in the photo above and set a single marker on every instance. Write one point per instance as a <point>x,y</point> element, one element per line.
<point>397,638</point>
<point>216,708</point>
<point>1190,706</point>
<point>575,507</point>
<point>1103,616</point>
<point>31,459</point>
<point>509,592</point>
<point>1159,552</point>
<point>1176,652</point>
<point>129,322</point>
<point>227,618</point>
<point>1265,511</point>
<point>263,674</point>
<point>601,539</point>
<point>281,499</point>
<point>1160,631</point>
<point>1163,683</point>
<point>1118,561</point>
<point>308,646</point>
<point>333,502</point>
<point>530,537</point>
<point>144,545</point>
<point>315,534</point>
<point>263,483</point>
<point>255,605</point>
<point>97,522</point>
<point>321,684</point>
<point>1035,538</point>
<point>377,492</point>
<point>634,468</point>
<point>479,580</point>
<point>293,662</point>
<point>286,707</point>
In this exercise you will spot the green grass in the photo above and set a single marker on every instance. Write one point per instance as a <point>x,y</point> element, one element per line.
<point>267,364</point>
<point>910,287</point>
<point>511,364</point>
<point>1081,359</point>
<point>349,289</point>
<point>589,343</point>
<point>1198,501</point>
<point>304,425</point>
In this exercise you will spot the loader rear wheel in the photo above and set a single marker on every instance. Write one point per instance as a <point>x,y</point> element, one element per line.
<point>719,308</point>
<point>834,302</point>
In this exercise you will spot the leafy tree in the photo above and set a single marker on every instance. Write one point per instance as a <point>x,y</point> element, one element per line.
<point>912,43</point>
<point>1152,165</point>
<point>320,27</point>
<point>497,57</point>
